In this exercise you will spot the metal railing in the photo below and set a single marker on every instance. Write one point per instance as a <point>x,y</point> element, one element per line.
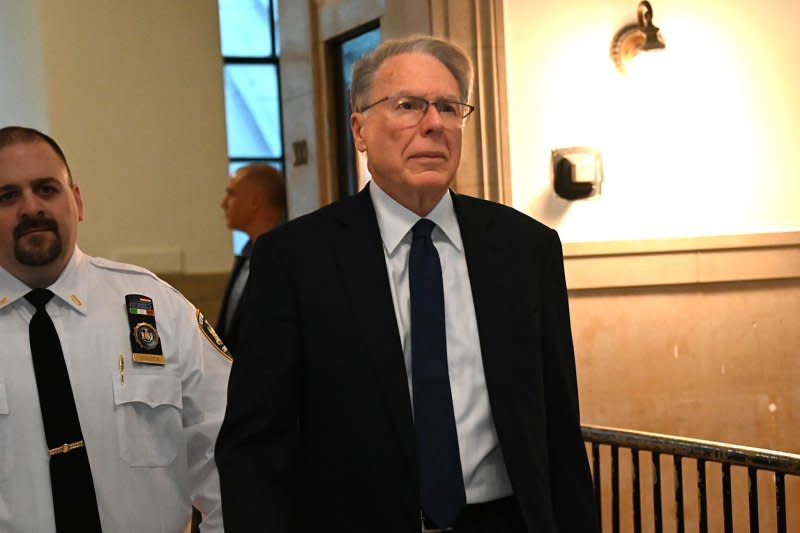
<point>703,452</point>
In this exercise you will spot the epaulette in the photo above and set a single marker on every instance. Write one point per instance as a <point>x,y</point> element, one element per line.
<point>107,264</point>
<point>116,266</point>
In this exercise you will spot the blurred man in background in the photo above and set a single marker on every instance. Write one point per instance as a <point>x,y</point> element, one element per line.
<point>254,202</point>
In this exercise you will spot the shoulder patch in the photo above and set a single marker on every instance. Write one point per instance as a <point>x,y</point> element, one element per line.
<point>208,331</point>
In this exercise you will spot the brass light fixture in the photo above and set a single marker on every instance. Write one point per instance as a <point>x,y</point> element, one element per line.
<point>634,38</point>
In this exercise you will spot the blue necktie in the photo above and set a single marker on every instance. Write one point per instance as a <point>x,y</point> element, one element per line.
<point>442,495</point>
<point>74,500</point>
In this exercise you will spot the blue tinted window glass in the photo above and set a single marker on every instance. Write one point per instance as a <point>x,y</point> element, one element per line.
<point>245,28</point>
<point>277,27</point>
<point>240,238</point>
<point>354,48</point>
<point>252,111</point>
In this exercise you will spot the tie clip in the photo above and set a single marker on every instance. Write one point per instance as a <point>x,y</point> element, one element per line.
<point>65,448</point>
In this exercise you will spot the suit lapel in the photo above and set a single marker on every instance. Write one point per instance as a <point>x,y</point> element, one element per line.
<point>238,263</point>
<point>360,255</point>
<point>487,259</point>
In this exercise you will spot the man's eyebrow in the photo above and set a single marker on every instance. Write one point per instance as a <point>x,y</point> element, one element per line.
<point>45,179</point>
<point>438,98</point>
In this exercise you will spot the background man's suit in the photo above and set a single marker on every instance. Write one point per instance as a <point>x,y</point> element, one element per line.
<point>229,331</point>
<point>319,389</point>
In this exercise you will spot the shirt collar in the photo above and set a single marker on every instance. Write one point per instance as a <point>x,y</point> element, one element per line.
<point>247,249</point>
<point>71,285</point>
<point>395,221</point>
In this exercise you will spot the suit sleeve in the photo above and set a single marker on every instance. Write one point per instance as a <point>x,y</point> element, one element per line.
<point>570,478</point>
<point>256,448</point>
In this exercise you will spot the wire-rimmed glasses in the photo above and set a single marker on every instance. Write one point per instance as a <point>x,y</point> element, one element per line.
<point>409,110</point>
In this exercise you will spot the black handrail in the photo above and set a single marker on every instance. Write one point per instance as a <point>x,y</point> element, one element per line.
<point>788,463</point>
<point>727,455</point>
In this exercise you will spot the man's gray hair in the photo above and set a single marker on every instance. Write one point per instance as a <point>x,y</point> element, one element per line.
<point>449,54</point>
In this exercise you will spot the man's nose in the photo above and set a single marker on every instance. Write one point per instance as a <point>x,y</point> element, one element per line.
<point>30,204</point>
<point>432,120</point>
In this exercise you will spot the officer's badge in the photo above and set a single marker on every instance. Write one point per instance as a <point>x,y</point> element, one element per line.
<point>211,335</point>
<point>145,341</point>
<point>145,335</point>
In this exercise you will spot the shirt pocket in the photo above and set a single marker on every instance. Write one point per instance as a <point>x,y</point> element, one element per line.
<point>148,413</point>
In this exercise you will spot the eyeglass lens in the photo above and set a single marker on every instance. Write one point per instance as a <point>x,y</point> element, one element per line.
<point>411,109</point>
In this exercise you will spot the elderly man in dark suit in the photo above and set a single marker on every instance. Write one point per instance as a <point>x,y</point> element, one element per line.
<point>406,361</point>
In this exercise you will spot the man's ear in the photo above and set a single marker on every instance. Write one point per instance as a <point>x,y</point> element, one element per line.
<point>357,121</point>
<point>76,191</point>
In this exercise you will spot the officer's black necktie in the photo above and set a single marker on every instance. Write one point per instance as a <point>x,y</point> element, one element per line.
<point>74,501</point>
<point>442,493</point>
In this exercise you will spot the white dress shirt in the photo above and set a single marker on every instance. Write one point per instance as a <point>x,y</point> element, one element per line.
<point>482,464</point>
<point>149,430</point>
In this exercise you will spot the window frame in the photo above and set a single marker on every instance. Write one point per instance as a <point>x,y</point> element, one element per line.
<point>272,59</point>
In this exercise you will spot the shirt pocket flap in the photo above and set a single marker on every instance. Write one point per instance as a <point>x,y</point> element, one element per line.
<point>3,398</point>
<point>149,389</point>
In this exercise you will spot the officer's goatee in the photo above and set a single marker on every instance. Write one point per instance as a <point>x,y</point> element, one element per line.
<point>39,251</point>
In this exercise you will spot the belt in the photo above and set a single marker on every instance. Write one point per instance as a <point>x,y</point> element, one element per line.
<point>474,513</point>
<point>427,526</point>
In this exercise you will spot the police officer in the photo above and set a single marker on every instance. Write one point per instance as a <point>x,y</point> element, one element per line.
<point>112,385</point>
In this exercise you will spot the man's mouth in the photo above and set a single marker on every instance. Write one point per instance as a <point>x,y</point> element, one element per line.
<point>34,230</point>
<point>27,227</point>
<point>429,155</point>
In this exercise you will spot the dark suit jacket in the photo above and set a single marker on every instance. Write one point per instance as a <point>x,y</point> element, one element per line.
<point>318,434</point>
<point>230,335</point>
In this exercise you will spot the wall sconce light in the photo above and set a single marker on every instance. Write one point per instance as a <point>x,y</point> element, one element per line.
<point>577,172</point>
<point>634,38</point>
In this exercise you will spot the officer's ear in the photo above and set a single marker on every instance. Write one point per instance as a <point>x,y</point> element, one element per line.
<point>76,192</point>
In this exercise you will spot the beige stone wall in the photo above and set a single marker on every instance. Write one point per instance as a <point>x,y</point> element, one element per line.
<point>134,93</point>
<point>692,337</point>
<point>717,361</point>
<point>698,338</point>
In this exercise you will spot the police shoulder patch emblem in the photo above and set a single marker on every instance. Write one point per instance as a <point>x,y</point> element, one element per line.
<point>211,335</point>
<point>145,335</point>
<point>145,340</point>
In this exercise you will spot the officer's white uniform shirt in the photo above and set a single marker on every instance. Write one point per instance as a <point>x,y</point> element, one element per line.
<point>150,438</point>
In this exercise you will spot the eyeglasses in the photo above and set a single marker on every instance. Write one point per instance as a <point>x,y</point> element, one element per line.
<point>409,110</point>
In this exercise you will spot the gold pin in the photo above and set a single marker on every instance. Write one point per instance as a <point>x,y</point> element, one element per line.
<point>75,299</point>
<point>3,300</point>
<point>122,369</point>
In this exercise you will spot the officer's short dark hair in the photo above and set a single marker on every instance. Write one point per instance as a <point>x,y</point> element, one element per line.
<point>11,135</point>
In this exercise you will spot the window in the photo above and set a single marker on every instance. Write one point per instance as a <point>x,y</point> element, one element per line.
<point>346,51</point>
<point>250,55</point>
